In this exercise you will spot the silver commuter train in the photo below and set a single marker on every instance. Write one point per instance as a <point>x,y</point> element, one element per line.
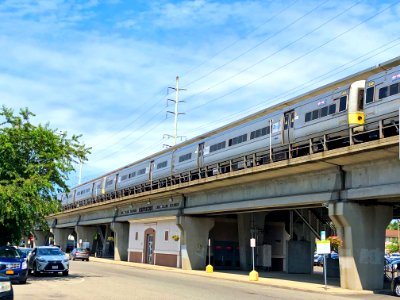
<point>356,112</point>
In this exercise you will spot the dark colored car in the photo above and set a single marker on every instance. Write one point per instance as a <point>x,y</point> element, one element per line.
<point>396,286</point>
<point>13,264</point>
<point>48,259</point>
<point>6,289</point>
<point>318,259</point>
<point>79,253</point>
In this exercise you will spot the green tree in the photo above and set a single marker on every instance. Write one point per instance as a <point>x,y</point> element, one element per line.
<point>34,165</point>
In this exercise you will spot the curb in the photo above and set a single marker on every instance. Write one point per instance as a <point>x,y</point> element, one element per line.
<point>274,282</point>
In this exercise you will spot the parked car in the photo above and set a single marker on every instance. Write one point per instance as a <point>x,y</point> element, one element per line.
<point>79,253</point>
<point>48,259</point>
<point>25,251</point>
<point>318,259</point>
<point>396,286</point>
<point>13,264</point>
<point>6,289</point>
<point>390,268</point>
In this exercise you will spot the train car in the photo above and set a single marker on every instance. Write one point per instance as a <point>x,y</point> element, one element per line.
<point>349,113</point>
<point>84,193</point>
<point>184,160</point>
<point>382,101</point>
<point>328,116</point>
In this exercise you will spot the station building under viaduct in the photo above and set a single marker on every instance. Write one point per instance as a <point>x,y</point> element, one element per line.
<point>284,205</point>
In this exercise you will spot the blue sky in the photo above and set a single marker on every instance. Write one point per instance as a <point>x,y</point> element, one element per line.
<point>102,68</point>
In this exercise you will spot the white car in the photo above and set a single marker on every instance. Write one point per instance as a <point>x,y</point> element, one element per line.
<point>48,259</point>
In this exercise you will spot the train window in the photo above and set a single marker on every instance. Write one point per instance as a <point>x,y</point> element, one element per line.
<point>237,140</point>
<point>109,182</point>
<point>383,92</point>
<point>131,175</point>
<point>394,89</point>
<point>343,103</point>
<point>315,114</point>
<point>185,157</point>
<point>124,177</point>
<point>308,117</point>
<point>141,171</point>
<point>217,146</point>
<point>370,94</point>
<point>332,109</point>
<point>324,111</point>
<point>259,132</point>
<point>162,165</point>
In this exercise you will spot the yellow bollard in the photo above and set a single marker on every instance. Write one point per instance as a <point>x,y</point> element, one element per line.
<point>253,276</point>
<point>209,269</point>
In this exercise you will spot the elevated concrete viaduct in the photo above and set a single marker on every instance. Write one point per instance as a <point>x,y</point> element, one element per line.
<point>284,205</point>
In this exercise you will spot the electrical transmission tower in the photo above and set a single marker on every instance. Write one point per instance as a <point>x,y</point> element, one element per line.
<point>176,113</point>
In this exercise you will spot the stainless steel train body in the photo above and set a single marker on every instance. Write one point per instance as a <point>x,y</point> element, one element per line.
<point>328,115</point>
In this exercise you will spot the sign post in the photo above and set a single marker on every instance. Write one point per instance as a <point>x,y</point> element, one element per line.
<point>253,274</point>
<point>209,268</point>
<point>324,247</point>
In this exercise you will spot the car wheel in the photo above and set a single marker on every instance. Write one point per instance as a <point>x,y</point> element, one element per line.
<point>22,281</point>
<point>87,259</point>
<point>73,258</point>
<point>65,273</point>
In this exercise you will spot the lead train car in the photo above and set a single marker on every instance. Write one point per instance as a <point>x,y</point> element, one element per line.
<point>365,107</point>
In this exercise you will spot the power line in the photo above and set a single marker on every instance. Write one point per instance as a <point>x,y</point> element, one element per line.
<point>296,59</point>
<point>258,44</point>
<point>276,52</point>
<point>238,40</point>
<point>307,84</point>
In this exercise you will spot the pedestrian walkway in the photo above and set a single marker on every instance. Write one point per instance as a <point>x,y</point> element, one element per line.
<point>304,282</point>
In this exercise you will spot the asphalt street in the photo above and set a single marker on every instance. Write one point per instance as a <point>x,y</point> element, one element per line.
<point>96,280</point>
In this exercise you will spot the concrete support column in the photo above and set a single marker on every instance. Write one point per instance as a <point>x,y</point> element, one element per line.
<point>121,240</point>
<point>362,230</point>
<point>40,238</point>
<point>61,236</point>
<point>244,241</point>
<point>194,241</point>
<point>85,233</point>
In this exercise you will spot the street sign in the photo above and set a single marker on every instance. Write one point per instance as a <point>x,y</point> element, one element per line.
<point>253,243</point>
<point>324,247</point>
<point>323,235</point>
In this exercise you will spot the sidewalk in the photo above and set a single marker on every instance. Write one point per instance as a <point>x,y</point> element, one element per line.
<point>303,282</point>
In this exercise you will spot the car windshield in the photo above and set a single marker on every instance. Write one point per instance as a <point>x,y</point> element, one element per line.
<point>9,253</point>
<point>49,251</point>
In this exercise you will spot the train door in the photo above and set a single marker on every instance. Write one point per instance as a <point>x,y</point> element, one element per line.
<point>200,155</point>
<point>151,169</point>
<point>288,125</point>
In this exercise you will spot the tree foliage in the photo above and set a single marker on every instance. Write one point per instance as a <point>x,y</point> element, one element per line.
<point>34,165</point>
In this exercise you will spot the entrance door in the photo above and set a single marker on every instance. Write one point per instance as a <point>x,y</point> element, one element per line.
<point>288,125</point>
<point>200,155</point>
<point>149,248</point>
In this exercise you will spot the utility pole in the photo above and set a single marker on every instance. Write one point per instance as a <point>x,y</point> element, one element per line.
<point>176,112</point>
